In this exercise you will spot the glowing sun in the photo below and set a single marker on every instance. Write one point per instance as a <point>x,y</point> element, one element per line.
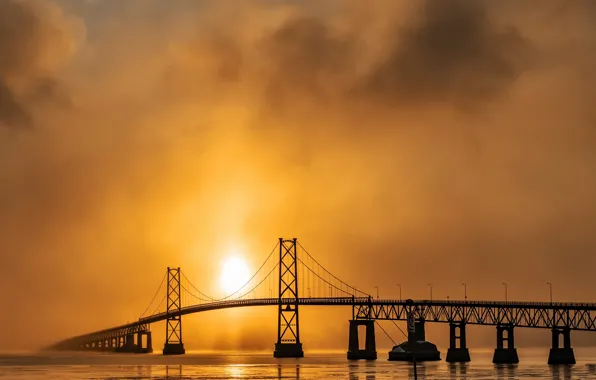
<point>234,274</point>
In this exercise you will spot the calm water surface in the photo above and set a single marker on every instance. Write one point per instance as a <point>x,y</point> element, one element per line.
<point>262,366</point>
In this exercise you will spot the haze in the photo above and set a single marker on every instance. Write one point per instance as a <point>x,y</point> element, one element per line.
<point>408,142</point>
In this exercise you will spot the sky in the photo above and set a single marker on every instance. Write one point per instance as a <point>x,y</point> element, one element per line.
<point>411,142</point>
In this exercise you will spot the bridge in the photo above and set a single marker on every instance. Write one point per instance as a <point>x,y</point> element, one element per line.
<point>295,271</point>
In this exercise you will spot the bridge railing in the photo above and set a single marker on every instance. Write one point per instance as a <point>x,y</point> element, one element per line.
<point>485,303</point>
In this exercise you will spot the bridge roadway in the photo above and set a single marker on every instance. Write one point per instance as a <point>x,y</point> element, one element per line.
<point>573,316</point>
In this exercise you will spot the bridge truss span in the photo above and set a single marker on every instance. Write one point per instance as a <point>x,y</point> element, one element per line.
<point>575,316</point>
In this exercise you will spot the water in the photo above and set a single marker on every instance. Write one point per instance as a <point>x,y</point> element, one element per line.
<point>98,366</point>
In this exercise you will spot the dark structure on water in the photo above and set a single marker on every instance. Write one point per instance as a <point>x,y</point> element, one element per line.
<point>416,345</point>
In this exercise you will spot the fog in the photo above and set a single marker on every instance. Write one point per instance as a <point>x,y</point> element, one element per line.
<point>409,142</point>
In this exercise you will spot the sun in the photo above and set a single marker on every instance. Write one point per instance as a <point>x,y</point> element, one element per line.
<point>234,274</point>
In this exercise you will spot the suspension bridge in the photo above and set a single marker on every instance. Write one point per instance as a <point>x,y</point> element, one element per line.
<point>291,278</point>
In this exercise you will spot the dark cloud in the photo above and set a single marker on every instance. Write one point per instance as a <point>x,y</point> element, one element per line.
<point>362,151</point>
<point>34,38</point>
<point>305,57</point>
<point>12,113</point>
<point>453,53</point>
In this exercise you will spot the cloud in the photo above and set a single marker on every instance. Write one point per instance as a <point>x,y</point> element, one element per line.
<point>35,39</point>
<point>438,141</point>
<point>11,112</point>
<point>452,53</point>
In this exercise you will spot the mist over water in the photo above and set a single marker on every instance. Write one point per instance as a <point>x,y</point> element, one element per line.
<point>314,366</point>
<point>408,142</point>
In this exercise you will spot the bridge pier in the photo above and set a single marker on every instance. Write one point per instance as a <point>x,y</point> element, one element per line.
<point>128,345</point>
<point>454,353</point>
<point>561,355</point>
<point>149,348</point>
<point>370,347</point>
<point>505,355</point>
<point>144,350</point>
<point>288,350</point>
<point>174,349</point>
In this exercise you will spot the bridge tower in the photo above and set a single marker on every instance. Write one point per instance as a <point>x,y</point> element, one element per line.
<point>288,329</point>
<point>173,345</point>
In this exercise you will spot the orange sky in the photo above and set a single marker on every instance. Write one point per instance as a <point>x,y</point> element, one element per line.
<point>405,142</point>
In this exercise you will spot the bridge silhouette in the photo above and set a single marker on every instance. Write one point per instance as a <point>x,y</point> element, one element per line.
<point>294,272</point>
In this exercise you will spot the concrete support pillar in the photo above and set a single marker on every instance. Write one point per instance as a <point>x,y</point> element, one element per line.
<point>561,355</point>
<point>370,347</point>
<point>140,342</point>
<point>149,348</point>
<point>455,353</point>
<point>130,341</point>
<point>505,351</point>
<point>127,343</point>
<point>174,349</point>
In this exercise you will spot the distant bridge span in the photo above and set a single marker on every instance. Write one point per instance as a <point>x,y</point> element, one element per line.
<point>559,317</point>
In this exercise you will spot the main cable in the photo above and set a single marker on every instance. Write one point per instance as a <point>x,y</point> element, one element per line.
<point>195,288</point>
<point>155,295</point>
<point>194,295</point>
<point>263,280</point>
<point>322,279</point>
<point>331,274</point>
<point>254,275</point>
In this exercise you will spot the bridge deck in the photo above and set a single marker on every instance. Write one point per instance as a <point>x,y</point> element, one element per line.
<point>576,316</point>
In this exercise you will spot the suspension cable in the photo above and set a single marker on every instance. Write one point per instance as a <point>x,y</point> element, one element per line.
<point>388,336</point>
<point>205,298</point>
<point>195,288</point>
<point>399,328</point>
<point>194,295</point>
<point>263,280</point>
<point>158,306</point>
<point>349,286</point>
<point>254,275</point>
<point>155,295</point>
<point>325,281</point>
